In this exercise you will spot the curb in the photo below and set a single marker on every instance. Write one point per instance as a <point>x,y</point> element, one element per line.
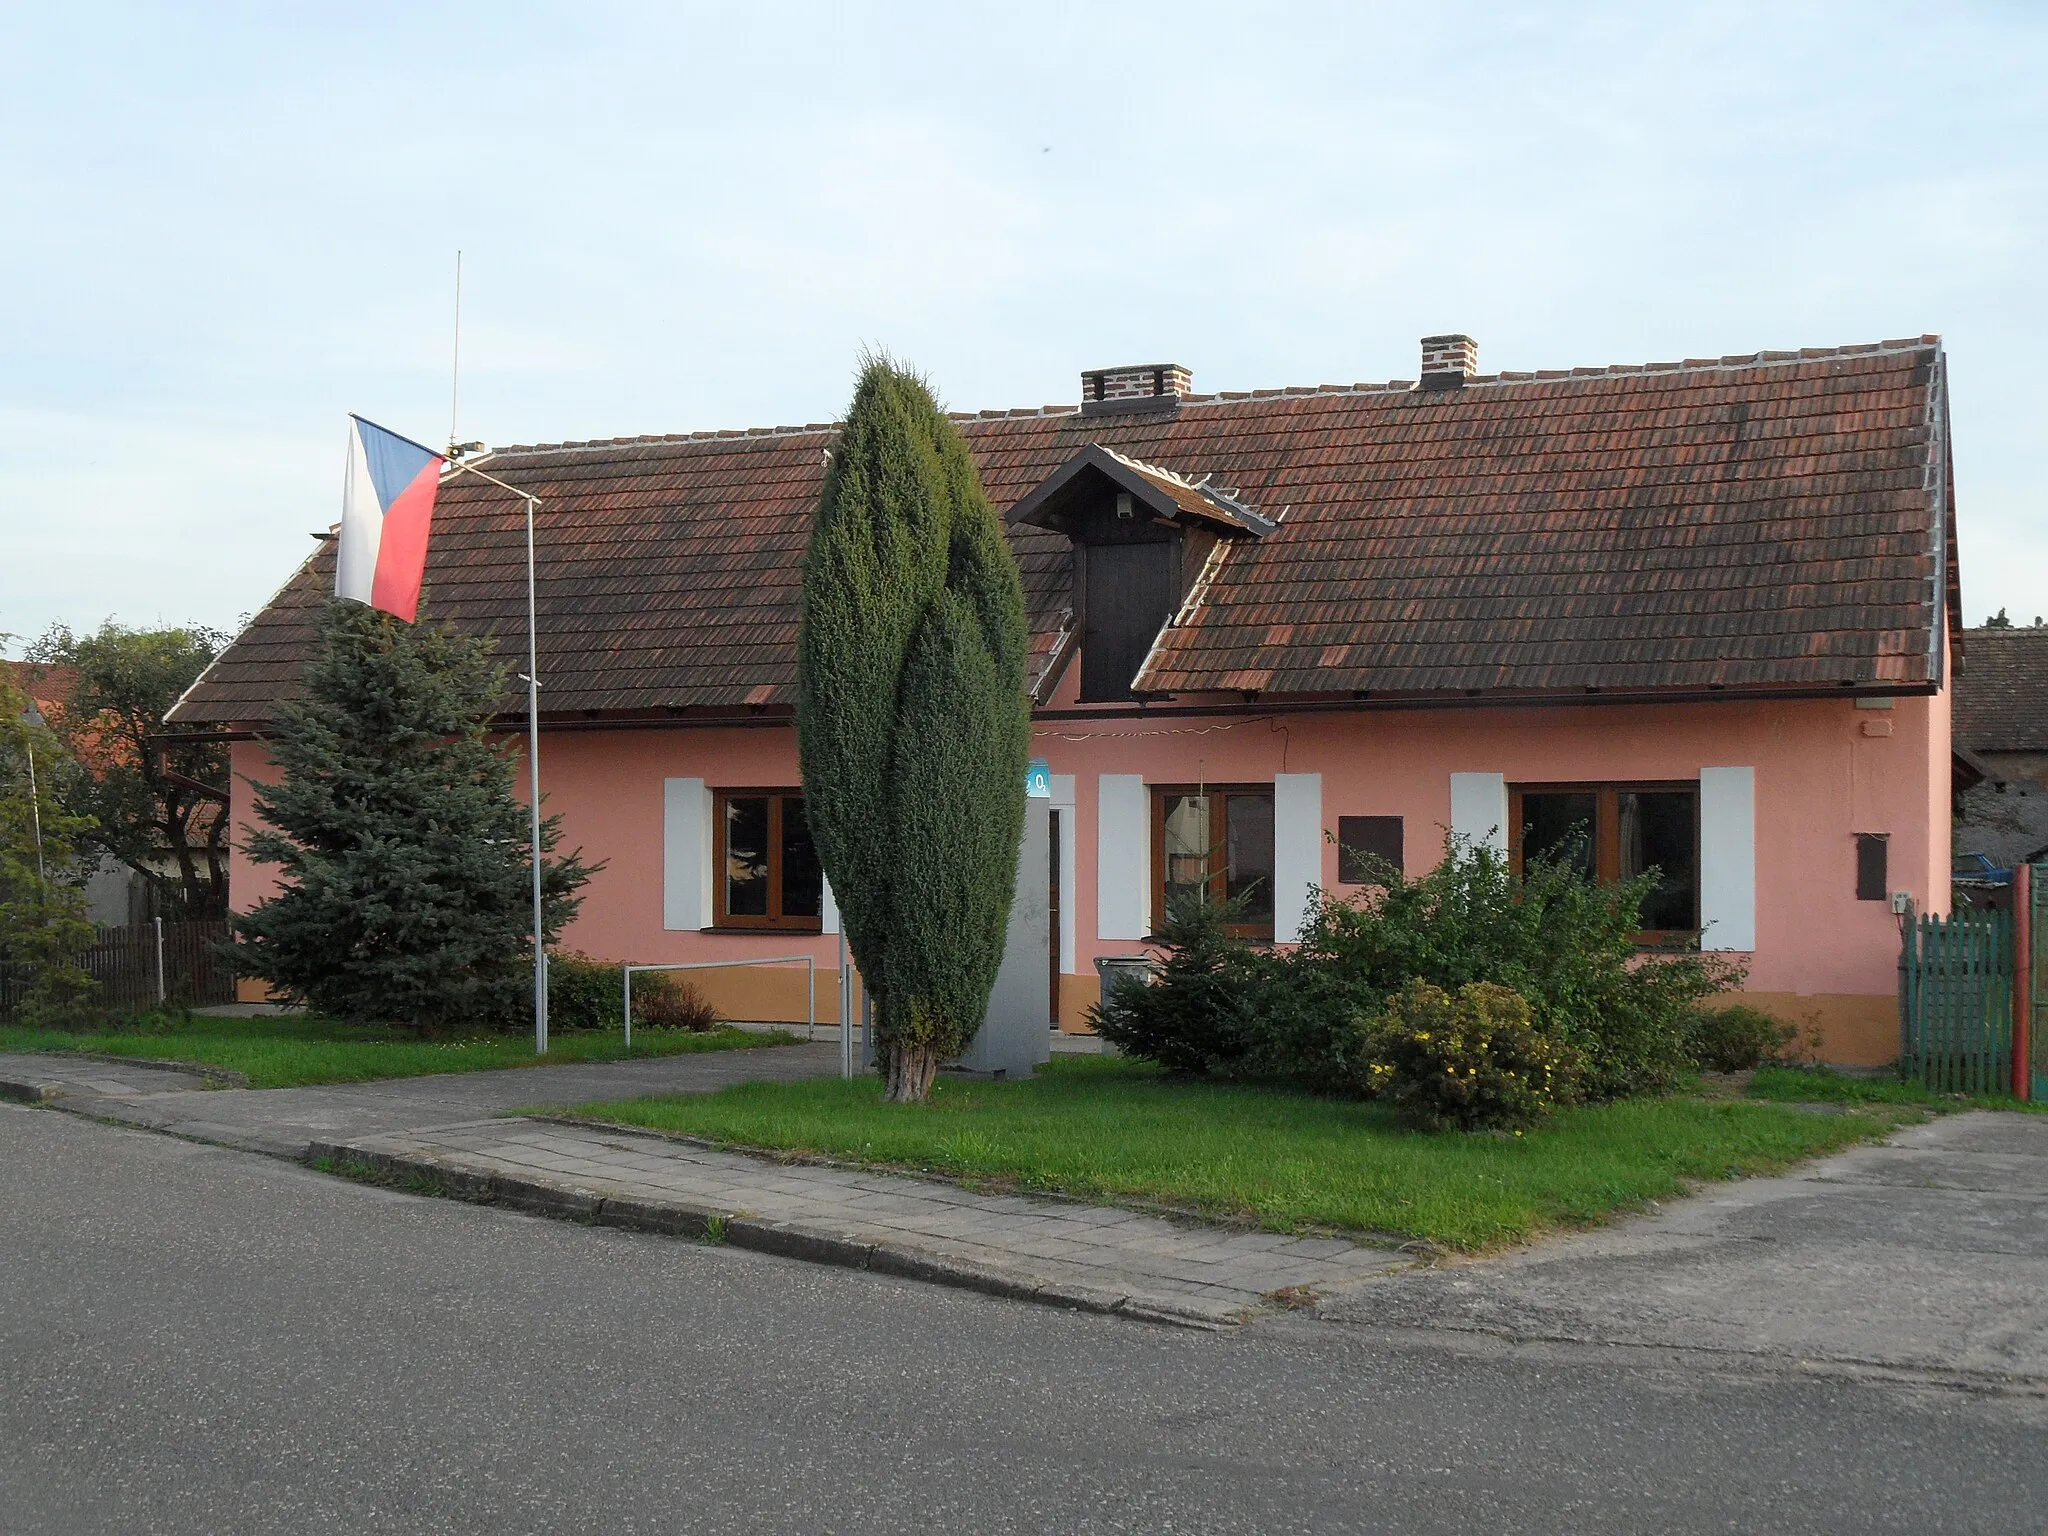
<point>220,1077</point>
<point>224,1077</point>
<point>17,1092</point>
<point>786,1240</point>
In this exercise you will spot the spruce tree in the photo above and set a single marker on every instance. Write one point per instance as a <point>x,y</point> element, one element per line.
<point>912,720</point>
<point>405,871</point>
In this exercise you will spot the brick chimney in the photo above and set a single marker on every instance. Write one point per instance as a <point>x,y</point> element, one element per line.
<point>1140,387</point>
<point>1448,361</point>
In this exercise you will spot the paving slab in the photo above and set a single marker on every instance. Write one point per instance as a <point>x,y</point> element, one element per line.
<point>286,1121</point>
<point>34,1078</point>
<point>1046,1250</point>
<point>1925,1254</point>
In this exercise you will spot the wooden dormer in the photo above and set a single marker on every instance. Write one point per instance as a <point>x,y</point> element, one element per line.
<point>1141,536</point>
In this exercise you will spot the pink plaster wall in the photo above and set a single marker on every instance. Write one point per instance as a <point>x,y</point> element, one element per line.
<point>1821,778</point>
<point>1820,781</point>
<point>249,883</point>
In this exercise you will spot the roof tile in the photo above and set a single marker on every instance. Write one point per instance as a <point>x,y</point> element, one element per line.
<point>1760,520</point>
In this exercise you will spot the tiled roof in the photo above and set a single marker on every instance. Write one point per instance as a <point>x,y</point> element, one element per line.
<point>42,682</point>
<point>2001,699</point>
<point>1772,520</point>
<point>1199,502</point>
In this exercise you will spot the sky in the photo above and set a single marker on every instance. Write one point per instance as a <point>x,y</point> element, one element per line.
<point>227,227</point>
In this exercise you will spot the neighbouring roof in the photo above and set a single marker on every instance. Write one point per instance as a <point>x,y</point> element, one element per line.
<point>43,682</point>
<point>2001,699</point>
<point>1776,520</point>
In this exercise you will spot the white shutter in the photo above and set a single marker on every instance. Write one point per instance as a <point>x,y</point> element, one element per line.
<point>686,854</point>
<point>1297,849</point>
<point>1063,802</point>
<point>830,919</point>
<point>1728,858</point>
<point>1479,810</point>
<point>1123,857</point>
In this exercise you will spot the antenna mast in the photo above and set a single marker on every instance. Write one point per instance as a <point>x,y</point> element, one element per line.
<point>455,370</point>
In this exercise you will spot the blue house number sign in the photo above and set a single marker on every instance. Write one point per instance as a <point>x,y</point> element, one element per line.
<point>1038,780</point>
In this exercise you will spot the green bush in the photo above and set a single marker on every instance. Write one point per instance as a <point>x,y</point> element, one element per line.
<point>588,994</point>
<point>1567,945</point>
<point>584,993</point>
<point>1735,1038</point>
<point>1199,1015</point>
<point>1472,1061</point>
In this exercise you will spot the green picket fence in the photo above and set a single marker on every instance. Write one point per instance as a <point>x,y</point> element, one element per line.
<point>1955,1002</point>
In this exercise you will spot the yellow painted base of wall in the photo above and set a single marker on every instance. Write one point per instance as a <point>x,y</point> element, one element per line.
<point>1855,1029</point>
<point>763,994</point>
<point>1077,995</point>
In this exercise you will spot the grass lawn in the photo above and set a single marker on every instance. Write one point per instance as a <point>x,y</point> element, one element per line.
<point>1113,1129</point>
<point>294,1050</point>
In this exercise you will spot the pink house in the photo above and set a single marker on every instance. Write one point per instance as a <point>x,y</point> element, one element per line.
<point>1700,616</point>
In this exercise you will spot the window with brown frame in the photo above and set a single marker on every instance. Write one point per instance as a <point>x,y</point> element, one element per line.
<point>1613,832</point>
<point>768,871</point>
<point>1215,842</point>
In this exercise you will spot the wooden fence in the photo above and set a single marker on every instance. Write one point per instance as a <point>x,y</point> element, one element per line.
<point>1955,1002</point>
<point>136,967</point>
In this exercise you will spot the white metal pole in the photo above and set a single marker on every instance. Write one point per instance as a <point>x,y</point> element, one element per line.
<point>540,949</point>
<point>628,970</point>
<point>160,994</point>
<point>845,1013</point>
<point>35,807</point>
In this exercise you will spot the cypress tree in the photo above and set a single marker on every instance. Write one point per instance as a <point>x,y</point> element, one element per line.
<point>405,870</point>
<point>912,722</point>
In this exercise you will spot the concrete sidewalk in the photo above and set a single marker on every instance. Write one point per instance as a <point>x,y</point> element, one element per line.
<point>1925,1255</point>
<point>1096,1257</point>
<point>284,1122</point>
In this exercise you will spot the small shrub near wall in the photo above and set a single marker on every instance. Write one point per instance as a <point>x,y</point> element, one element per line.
<point>670,1002</point>
<point>1201,1014</point>
<point>588,994</point>
<point>1736,1038</point>
<point>584,993</point>
<point>1470,1061</point>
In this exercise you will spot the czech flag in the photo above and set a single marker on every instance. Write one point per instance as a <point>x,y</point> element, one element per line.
<point>387,503</point>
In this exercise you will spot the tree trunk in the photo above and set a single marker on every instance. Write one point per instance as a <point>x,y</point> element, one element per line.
<point>217,866</point>
<point>911,1070</point>
<point>177,828</point>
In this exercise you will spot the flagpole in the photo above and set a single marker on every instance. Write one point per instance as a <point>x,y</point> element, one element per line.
<point>540,949</point>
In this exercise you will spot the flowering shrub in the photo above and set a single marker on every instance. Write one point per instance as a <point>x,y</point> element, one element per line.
<point>1472,1061</point>
<point>1223,1007</point>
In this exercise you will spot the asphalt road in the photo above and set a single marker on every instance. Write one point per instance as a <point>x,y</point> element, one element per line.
<point>204,1340</point>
